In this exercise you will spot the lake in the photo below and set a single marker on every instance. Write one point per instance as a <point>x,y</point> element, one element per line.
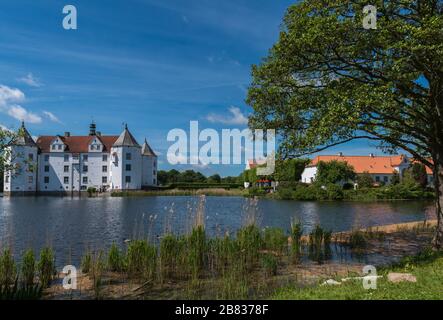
<point>71,225</point>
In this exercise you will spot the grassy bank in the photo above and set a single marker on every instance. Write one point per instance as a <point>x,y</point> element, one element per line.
<point>220,192</point>
<point>427,267</point>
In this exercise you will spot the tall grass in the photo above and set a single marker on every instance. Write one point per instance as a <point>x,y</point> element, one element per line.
<point>46,267</point>
<point>8,269</point>
<point>296,243</point>
<point>116,260</point>
<point>141,258</point>
<point>28,268</point>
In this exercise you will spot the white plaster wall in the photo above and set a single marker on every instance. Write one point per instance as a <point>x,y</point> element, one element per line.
<point>149,171</point>
<point>118,168</point>
<point>308,175</point>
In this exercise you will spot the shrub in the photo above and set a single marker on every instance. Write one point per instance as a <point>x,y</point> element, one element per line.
<point>8,270</point>
<point>285,194</point>
<point>46,267</point>
<point>334,192</point>
<point>305,193</point>
<point>28,268</point>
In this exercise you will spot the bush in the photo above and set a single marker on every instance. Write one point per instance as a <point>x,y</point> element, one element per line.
<point>305,193</point>
<point>285,194</point>
<point>256,192</point>
<point>334,192</point>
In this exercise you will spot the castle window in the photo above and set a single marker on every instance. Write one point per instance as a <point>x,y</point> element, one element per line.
<point>53,147</point>
<point>104,179</point>
<point>105,169</point>
<point>66,169</point>
<point>85,168</point>
<point>85,157</point>
<point>46,179</point>
<point>105,157</point>
<point>46,168</point>
<point>75,157</point>
<point>85,179</point>
<point>128,179</point>
<point>128,156</point>
<point>66,157</point>
<point>128,167</point>
<point>59,147</point>
<point>7,179</point>
<point>31,157</point>
<point>46,157</point>
<point>66,180</point>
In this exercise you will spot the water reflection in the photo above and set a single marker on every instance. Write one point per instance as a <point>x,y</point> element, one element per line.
<point>71,225</point>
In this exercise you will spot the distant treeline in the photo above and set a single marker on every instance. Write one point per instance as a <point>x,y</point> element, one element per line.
<point>175,177</point>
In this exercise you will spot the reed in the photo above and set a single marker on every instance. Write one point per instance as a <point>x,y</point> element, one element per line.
<point>28,267</point>
<point>97,267</point>
<point>8,269</point>
<point>141,259</point>
<point>86,262</point>
<point>295,240</point>
<point>46,267</point>
<point>250,242</point>
<point>275,240</point>
<point>116,259</point>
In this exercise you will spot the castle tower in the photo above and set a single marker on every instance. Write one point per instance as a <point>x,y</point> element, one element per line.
<point>20,174</point>
<point>126,163</point>
<point>149,166</point>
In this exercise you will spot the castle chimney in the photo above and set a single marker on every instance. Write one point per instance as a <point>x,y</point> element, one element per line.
<point>92,128</point>
<point>67,134</point>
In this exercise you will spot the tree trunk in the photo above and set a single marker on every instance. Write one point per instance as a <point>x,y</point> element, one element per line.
<point>438,182</point>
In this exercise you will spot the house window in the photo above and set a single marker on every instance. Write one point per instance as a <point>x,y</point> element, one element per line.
<point>128,156</point>
<point>105,157</point>
<point>7,179</point>
<point>46,157</point>
<point>83,188</point>
<point>31,157</point>
<point>46,179</point>
<point>377,179</point>
<point>59,147</point>
<point>128,179</point>
<point>85,157</point>
<point>66,157</point>
<point>105,169</point>
<point>128,167</point>
<point>104,179</point>
<point>85,179</point>
<point>85,168</point>
<point>30,179</point>
<point>385,179</point>
<point>46,168</point>
<point>66,180</point>
<point>66,169</point>
<point>75,157</point>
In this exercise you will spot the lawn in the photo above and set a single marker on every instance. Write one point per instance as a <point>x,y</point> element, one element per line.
<point>427,267</point>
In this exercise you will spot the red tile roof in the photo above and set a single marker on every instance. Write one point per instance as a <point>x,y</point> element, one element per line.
<point>75,144</point>
<point>371,164</point>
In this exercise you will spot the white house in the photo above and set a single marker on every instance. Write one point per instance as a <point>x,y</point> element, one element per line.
<point>381,168</point>
<point>67,164</point>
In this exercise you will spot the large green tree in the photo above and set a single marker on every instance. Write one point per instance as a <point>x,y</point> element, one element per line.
<point>7,139</point>
<point>328,81</point>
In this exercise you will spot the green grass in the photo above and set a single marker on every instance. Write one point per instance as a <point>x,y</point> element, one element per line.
<point>427,267</point>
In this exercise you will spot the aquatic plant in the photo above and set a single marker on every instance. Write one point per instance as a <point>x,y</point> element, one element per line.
<point>28,268</point>
<point>86,262</point>
<point>20,291</point>
<point>46,267</point>
<point>8,270</point>
<point>116,260</point>
<point>269,264</point>
<point>196,248</point>
<point>250,242</point>
<point>97,267</point>
<point>357,240</point>
<point>275,240</point>
<point>296,245</point>
<point>141,259</point>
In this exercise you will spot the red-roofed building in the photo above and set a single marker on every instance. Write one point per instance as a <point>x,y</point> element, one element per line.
<point>381,168</point>
<point>67,164</point>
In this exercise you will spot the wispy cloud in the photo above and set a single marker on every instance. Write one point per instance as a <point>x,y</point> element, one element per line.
<point>9,99</point>
<point>30,80</point>
<point>236,117</point>
<point>51,116</point>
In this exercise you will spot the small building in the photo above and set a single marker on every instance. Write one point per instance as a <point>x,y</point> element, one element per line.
<point>67,164</point>
<point>381,168</point>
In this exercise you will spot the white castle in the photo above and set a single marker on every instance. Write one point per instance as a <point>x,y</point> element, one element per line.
<point>69,164</point>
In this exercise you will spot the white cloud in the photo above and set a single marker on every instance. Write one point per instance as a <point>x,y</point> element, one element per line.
<point>51,116</point>
<point>236,117</point>
<point>9,99</point>
<point>30,80</point>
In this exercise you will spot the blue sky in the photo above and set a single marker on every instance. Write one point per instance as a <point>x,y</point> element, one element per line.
<point>153,64</point>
